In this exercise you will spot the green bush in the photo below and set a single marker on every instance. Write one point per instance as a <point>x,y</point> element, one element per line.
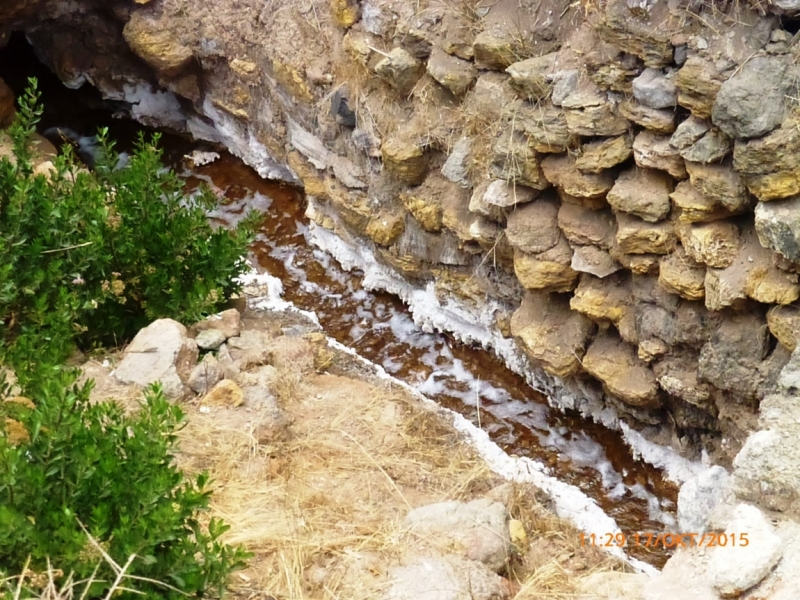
<point>91,258</point>
<point>89,465</point>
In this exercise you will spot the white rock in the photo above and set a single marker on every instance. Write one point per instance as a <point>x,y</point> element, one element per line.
<point>500,193</point>
<point>159,352</point>
<point>444,578</point>
<point>700,496</point>
<point>736,568</point>
<point>456,167</point>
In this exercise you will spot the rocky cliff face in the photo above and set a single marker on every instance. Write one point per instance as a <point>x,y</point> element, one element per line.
<point>621,176</point>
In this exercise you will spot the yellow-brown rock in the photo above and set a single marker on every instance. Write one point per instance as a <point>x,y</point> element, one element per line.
<point>7,109</point>
<point>784,324</point>
<point>769,285</point>
<point>423,209</point>
<point>715,244</point>
<point>313,182</point>
<point>583,226</point>
<point>560,170</point>
<point>292,80</point>
<point>606,300</point>
<point>623,374</point>
<point>536,274</point>
<point>551,334</point>
<point>546,126</point>
<point>226,393</point>
<point>515,160</point>
<point>696,207</point>
<point>681,275</point>
<point>496,49</point>
<point>595,120</point>
<point>385,228</point>
<point>720,183</point>
<point>532,77</point>
<point>345,12</point>
<point>598,156</point>
<point>643,193</point>
<point>157,46</point>
<point>647,38</point>
<point>404,160</point>
<point>245,68</point>
<point>654,119</point>
<point>635,236</point>
<point>698,82</point>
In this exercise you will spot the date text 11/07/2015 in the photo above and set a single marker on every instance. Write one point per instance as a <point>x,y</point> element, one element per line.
<point>665,540</point>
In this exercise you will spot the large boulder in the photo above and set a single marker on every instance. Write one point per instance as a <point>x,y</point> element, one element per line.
<point>161,352</point>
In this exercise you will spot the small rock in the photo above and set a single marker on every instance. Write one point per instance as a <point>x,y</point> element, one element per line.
<point>715,244</point>
<point>495,49</point>
<point>584,227</point>
<point>593,260</point>
<point>400,70</point>
<point>655,152</point>
<point>689,132</point>
<point>603,300</point>
<point>778,226</point>
<point>770,165</point>
<point>501,194</point>
<point>599,120</point>
<point>229,322</point>
<point>712,147</point>
<point>532,78</point>
<point>720,183</point>
<point>736,569</point>
<point>546,127</point>
<point>535,273</point>
<point>345,12</point>
<point>698,82</point>
<point>210,339</point>
<point>612,585</point>
<point>453,73</point>
<point>597,156</point>
<point>404,160</point>
<point>225,393</point>
<point>562,172</point>
<point>695,206</point>
<point>655,89</point>
<point>784,324</point>
<point>658,121</point>
<point>681,275</point>
<point>533,227</point>
<point>643,193</point>
<point>205,375</point>
<point>513,160</point>
<point>156,45</point>
<point>635,236</point>
<point>456,167</point>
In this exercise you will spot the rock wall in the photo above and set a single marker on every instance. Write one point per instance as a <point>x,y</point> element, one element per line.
<point>621,176</point>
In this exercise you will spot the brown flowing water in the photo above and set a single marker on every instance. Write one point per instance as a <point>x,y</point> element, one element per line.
<point>379,327</point>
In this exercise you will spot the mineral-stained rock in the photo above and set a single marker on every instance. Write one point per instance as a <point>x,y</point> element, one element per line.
<point>345,12</point>
<point>156,45</point>
<point>654,119</point>
<point>712,147</point>
<point>681,275</point>
<point>604,154</point>
<point>561,171</point>
<point>655,89</point>
<point>535,273</point>
<point>643,193</point>
<point>533,228</point>
<point>583,226</point>
<point>605,300</point>
<point>714,244</point>
<point>427,212</point>
<point>646,38</point>
<point>385,227</point>
<point>778,226</point>
<point>635,236</point>
<point>769,285</point>
<point>453,73</point>
<point>721,183</point>
<point>550,333</point>
<point>593,260</point>
<point>695,206</point>
<point>784,324</point>
<point>752,102</point>
<point>532,78</point>
<point>770,165</point>
<point>514,159</point>
<point>404,160</point>
<point>655,152</point>
<point>495,49</point>
<point>400,70</point>
<point>623,374</point>
<point>698,82</point>
<point>547,128</point>
<point>595,120</point>
<point>226,393</point>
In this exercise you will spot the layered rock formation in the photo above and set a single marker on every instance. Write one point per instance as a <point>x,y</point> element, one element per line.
<point>623,176</point>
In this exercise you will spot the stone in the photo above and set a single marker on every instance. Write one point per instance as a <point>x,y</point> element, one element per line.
<point>205,375</point>
<point>456,167</point>
<point>533,227</point>
<point>492,98</point>
<point>564,83</point>
<point>655,152</point>
<point>635,236</point>
<point>561,171</point>
<point>495,49</point>
<point>532,78</point>
<point>784,324</point>
<point>160,48</point>
<point>752,102</point>
<point>612,585</point>
<point>162,352</point>
<point>769,285</point>
<point>551,334</point>
<point>405,160</point>
<point>546,126</point>
<point>685,576</point>
<point>479,206</point>
<point>604,154</point>
<point>623,374</point>
<point>502,195</point>
<point>688,132</point>
<point>603,300</point>
<point>678,377</point>
<point>345,12</point>
<point>778,226</point>
<point>736,569</point>
<point>593,260</point>
<point>656,120</point>
<point>655,89</point>
<point>696,207</point>
<point>400,70</point>
<point>646,38</point>
<point>479,528</point>
<point>226,393</point>
<point>698,82</point>
<point>770,165</point>
<point>424,209</point>
<point>583,226</point>
<point>643,193</point>
<point>455,74</point>
<point>535,273</point>
<point>681,275</point>
<point>250,348</point>
<point>712,147</point>
<point>699,496</point>
<point>600,120</point>
<point>720,183</point>
<point>7,109</point>
<point>449,577</point>
<point>386,227</point>
<point>210,339</point>
<point>514,160</point>
<point>715,244</point>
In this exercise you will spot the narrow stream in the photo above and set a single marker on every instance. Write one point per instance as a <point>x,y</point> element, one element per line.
<point>379,327</point>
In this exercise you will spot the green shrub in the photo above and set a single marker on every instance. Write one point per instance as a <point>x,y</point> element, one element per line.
<point>89,465</point>
<point>92,257</point>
